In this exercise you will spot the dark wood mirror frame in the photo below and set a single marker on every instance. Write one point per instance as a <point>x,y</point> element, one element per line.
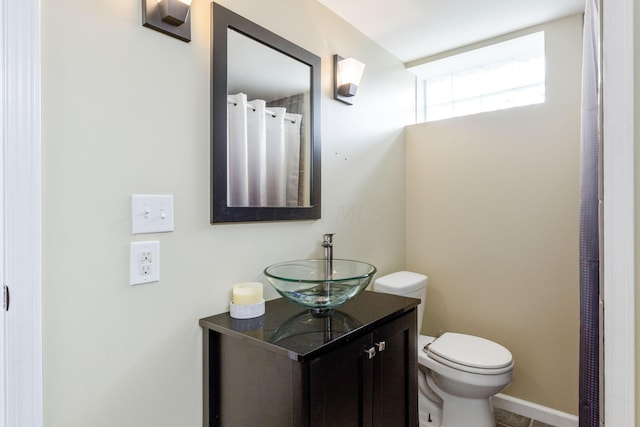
<point>224,19</point>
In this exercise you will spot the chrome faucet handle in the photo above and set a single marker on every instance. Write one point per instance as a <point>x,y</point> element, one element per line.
<point>328,239</point>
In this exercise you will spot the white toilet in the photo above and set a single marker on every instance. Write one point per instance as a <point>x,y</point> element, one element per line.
<point>458,373</point>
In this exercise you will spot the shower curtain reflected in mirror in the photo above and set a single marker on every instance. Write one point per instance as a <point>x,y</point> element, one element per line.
<point>264,153</point>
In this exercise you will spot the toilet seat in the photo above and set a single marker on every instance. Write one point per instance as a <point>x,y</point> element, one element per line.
<point>470,354</point>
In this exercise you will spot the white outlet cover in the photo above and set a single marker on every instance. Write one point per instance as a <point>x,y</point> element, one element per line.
<point>151,213</point>
<point>144,262</point>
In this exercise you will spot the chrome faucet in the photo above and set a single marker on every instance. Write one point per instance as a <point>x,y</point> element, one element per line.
<point>327,244</point>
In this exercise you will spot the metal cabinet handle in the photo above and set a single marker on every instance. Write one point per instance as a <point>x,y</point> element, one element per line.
<point>381,345</point>
<point>371,352</point>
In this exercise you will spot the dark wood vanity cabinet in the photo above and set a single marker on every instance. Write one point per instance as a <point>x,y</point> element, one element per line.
<point>357,367</point>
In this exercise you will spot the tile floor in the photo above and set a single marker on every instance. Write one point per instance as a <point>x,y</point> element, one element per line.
<point>509,419</point>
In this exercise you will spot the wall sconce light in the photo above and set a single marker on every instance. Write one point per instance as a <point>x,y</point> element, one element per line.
<point>170,17</point>
<point>347,73</point>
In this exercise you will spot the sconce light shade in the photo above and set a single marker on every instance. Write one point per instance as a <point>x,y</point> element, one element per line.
<point>170,17</point>
<point>347,73</point>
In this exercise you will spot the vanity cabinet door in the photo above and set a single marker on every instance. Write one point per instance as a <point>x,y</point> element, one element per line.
<point>371,381</point>
<point>395,384</point>
<point>340,386</point>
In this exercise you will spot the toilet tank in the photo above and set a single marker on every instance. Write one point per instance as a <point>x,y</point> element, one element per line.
<point>407,284</point>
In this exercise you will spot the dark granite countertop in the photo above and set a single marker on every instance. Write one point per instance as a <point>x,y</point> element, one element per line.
<point>290,329</point>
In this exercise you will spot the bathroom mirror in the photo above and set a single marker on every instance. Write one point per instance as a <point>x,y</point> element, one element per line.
<point>265,136</point>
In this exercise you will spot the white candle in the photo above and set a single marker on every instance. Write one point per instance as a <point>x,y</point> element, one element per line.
<point>247,293</point>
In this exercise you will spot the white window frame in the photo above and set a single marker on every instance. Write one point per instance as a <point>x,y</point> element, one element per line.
<point>474,61</point>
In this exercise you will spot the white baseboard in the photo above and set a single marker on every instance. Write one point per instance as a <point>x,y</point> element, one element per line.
<point>533,410</point>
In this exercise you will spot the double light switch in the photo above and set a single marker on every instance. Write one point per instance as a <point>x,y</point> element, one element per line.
<point>151,213</point>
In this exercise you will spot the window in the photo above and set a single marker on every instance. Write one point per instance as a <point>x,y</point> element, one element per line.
<point>503,75</point>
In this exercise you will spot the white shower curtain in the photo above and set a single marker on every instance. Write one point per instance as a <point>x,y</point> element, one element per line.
<point>256,153</point>
<point>237,159</point>
<point>276,173</point>
<point>263,154</point>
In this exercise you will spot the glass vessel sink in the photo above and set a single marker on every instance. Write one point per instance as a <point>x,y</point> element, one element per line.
<point>320,284</point>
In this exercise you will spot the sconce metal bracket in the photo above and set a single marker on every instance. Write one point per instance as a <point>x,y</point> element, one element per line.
<point>151,18</point>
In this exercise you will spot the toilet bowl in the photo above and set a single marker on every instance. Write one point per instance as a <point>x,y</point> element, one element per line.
<point>458,373</point>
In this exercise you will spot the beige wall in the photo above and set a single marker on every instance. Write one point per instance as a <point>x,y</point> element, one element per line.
<point>492,219</point>
<point>126,110</point>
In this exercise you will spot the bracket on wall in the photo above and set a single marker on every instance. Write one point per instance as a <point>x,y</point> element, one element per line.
<point>171,17</point>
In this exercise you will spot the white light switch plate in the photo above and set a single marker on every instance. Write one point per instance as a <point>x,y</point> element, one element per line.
<point>151,213</point>
<point>145,262</point>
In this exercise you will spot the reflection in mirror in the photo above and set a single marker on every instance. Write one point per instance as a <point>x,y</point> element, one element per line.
<point>265,124</point>
<point>268,143</point>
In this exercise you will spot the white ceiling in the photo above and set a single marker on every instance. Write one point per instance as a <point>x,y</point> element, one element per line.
<point>415,29</point>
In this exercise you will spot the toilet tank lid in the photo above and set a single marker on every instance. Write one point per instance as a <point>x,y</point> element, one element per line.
<point>400,282</point>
